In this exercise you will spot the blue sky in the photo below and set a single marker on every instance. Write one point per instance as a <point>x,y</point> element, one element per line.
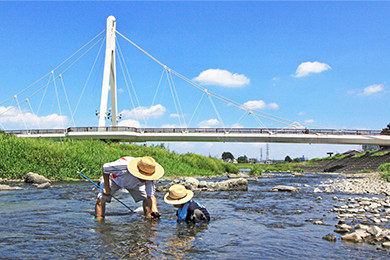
<point>321,64</point>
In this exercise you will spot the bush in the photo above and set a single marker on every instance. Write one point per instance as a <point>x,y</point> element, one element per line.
<point>385,171</point>
<point>255,170</point>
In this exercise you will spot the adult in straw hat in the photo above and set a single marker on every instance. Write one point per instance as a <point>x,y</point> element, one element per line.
<point>137,175</point>
<point>187,209</point>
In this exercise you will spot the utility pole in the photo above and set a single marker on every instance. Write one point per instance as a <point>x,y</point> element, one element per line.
<point>261,154</point>
<point>109,77</point>
<point>267,152</point>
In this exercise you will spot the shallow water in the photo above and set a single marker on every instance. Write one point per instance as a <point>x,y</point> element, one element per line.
<point>58,223</point>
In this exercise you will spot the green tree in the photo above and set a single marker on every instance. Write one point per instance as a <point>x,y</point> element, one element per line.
<point>242,159</point>
<point>227,155</point>
<point>288,159</point>
<point>297,160</point>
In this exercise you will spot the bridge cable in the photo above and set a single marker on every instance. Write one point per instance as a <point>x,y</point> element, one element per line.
<point>21,113</point>
<point>245,114</point>
<point>67,100</point>
<point>45,86</point>
<point>224,99</point>
<point>44,94</point>
<point>55,67</point>
<point>89,76</point>
<point>56,91</point>
<point>29,104</point>
<point>175,96</point>
<point>124,66</point>
<point>216,111</point>
<point>200,100</point>
<point>157,89</point>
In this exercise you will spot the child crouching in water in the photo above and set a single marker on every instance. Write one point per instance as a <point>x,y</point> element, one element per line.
<point>187,209</point>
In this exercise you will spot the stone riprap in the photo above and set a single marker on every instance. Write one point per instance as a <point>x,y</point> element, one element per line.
<point>368,183</point>
<point>236,184</point>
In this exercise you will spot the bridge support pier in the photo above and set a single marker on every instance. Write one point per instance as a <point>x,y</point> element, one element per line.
<point>109,77</point>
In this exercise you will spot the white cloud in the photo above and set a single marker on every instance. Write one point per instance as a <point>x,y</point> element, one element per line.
<point>306,68</point>
<point>236,125</point>
<point>130,123</point>
<point>208,123</point>
<point>144,112</point>
<point>13,119</point>
<point>221,78</point>
<point>373,89</point>
<point>302,113</point>
<point>260,104</point>
<point>309,121</point>
<point>121,90</point>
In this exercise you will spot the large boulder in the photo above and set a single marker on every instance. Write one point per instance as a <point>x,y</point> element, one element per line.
<point>284,188</point>
<point>35,178</point>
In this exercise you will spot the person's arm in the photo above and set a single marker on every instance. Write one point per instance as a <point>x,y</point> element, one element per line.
<point>107,188</point>
<point>150,205</point>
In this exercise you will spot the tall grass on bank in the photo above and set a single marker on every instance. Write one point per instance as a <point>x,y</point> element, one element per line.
<point>384,169</point>
<point>60,160</point>
<point>274,167</point>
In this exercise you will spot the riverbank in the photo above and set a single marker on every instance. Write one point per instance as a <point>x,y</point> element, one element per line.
<point>61,160</point>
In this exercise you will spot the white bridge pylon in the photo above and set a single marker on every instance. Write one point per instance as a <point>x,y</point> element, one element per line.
<point>109,77</point>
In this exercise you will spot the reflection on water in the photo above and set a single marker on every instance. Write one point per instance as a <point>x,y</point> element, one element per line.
<point>58,222</point>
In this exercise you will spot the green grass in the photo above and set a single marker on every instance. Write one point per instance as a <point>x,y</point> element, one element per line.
<point>60,160</point>
<point>384,170</point>
<point>274,167</point>
<point>380,153</point>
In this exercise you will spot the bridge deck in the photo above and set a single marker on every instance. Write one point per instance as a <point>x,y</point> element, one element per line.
<point>253,135</point>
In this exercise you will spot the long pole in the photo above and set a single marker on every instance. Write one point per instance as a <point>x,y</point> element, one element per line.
<point>85,177</point>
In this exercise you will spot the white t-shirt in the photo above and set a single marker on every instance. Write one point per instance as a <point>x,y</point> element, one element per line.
<point>122,177</point>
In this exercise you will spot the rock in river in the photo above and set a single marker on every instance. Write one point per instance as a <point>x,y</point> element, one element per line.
<point>35,178</point>
<point>284,188</point>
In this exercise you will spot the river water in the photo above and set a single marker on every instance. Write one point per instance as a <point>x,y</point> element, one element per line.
<point>58,223</point>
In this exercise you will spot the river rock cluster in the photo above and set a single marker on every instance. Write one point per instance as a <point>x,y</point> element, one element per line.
<point>362,219</point>
<point>358,184</point>
<point>235,184</point>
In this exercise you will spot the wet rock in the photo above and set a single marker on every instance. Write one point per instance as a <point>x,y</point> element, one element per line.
<point>191,183</point>
<point>343,228</point>
<point>238,175</point>
<point>352,237</point>
<point>386,244</point>
<point>7,187</point>
<point>237,184</point>
<point>375,231</point>
<point>318,222</point>
<point>284,188</point>
<point>35,178</point>
<point>43,185</point>
<point>317,190</point>
<point>330,237</point>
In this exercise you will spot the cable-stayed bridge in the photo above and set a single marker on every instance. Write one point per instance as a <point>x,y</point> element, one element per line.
<point>21,108</point>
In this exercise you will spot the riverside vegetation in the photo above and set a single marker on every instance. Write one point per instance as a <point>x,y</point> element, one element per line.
<point>60,160</point>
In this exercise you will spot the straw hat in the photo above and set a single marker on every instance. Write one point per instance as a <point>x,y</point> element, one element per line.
<point>178,194</point>
<point>145,168</point>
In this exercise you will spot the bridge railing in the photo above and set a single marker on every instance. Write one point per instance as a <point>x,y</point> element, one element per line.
<point>199,130</point>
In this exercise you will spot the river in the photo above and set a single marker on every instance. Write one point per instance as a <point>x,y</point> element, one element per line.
<point>58,223</point>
